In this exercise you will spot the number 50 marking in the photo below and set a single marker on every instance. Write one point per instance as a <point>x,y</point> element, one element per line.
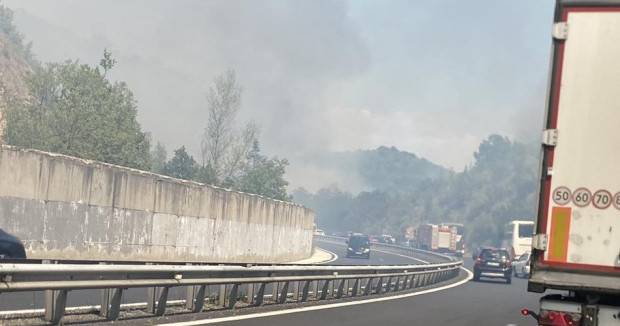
<point>561,196</point>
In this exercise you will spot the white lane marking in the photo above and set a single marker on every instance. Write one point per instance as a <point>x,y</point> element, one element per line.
<point>391,253</point>
<point>334,256</point>
<point>321,307</point>
<point>381,251</point>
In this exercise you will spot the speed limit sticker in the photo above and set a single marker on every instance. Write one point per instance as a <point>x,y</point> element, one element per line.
<point>601,199</point>
<point>616,200</point>
<point>582,197</point>
<point>561,196</point>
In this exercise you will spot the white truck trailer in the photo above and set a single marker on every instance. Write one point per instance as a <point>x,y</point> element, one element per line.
<point>576,245</point>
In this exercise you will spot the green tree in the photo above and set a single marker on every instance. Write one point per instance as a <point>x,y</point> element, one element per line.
<point>107,62</point>
<point>264,176</point>
<point>7,27</point>
<point>159,157</point>
<point>182,165</point>
<point>224,147</point>
<point>75,110</point>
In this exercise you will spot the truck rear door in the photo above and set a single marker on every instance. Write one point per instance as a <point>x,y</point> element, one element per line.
<point>578,222</point>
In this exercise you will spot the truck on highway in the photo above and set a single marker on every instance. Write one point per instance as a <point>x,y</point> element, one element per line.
<point>437,238</point>
<point>576,245</point>
<point>460,237</point>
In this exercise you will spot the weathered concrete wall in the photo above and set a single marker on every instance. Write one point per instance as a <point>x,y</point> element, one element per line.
<point>64,207</point>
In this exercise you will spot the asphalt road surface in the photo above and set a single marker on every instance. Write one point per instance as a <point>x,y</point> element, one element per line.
<point>489,302</point>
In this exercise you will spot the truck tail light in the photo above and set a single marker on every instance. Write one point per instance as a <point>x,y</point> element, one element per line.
<point>558,318</point>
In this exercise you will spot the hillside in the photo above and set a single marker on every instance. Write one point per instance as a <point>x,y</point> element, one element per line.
<point>15,61</point>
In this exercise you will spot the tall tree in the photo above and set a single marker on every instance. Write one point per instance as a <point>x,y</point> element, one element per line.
<point>75,110</point>
<point>224,147</point>
<point>159,157</point>
<point>264,176</point>
<point>181,165</point>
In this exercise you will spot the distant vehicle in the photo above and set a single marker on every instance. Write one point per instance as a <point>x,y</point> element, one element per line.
<point>517,237</point>
<point>493,263</point>
<point>460,237</point>
<point>522,266</point>
<point>389,239</point>
<point>433,237</point>
<point>358,246</point>
<point>319,232</point>
<point>11,246</point>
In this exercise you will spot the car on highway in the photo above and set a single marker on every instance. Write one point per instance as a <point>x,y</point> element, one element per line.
<point>389,239</point>
<point>11,247</point>
<point>493,263</point>
<point>521,267</point>
<point>358,246</point>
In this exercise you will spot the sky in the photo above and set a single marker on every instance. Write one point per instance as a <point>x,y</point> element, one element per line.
<point>433,77</point>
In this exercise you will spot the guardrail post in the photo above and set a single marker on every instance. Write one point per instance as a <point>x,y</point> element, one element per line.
<point>296,291</point>
<point>331,288</point>
<point>340,289</point>
<point>250,293</point>
<point>221,298</point>
<point>283,293</point>
<point>305,290</point>
<point>422,280</point>
<point>195,297</point>
<point>355,289</point>
<point>156,300</point>
<point>379,286</point>
<point>315,289</point>
<point>412,281</point>
<point>325,289</point>
<point>388,286</point>
<point>406,282</point>
<point>55,303</point>
<point>368,287</point>
<point>275,290</point>
<point>232,296</point>
<point>397,284</point>
<point>111,303</point>
<point>260,296</point>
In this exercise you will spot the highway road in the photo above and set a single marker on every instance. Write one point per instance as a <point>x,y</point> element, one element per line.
<point>488,302</point>
<point>35,300</point>
<point>491,302</point>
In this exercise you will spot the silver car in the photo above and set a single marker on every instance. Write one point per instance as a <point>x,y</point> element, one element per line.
<point>521,267</point>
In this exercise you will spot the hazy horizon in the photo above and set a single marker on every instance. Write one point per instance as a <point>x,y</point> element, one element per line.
<point>431,78</point>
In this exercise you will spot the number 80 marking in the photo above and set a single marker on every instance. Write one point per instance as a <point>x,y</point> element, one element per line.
<point>616,200</point>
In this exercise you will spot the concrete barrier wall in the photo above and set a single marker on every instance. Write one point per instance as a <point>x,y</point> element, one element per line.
<point>64,207</point>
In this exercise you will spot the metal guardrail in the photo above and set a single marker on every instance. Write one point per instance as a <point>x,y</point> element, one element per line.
<point>427,256</point>
<point>234,283</point>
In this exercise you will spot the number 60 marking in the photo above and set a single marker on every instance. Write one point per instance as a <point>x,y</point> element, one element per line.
<point>582,197</point>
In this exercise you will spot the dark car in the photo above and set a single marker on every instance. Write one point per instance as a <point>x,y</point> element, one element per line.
<point>10,246</point>
<point>358,246</point>
<point>493,263</point>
